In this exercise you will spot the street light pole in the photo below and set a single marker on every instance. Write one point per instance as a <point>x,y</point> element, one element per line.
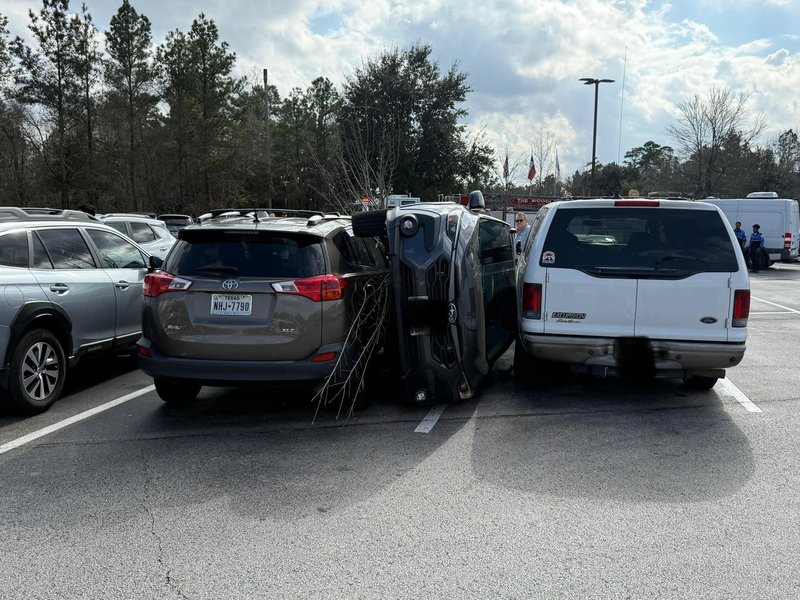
<point>596,83</point>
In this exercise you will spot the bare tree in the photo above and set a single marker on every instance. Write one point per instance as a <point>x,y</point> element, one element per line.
<point>543,145</point>
<point>361,163</point>
<point>704,124</point>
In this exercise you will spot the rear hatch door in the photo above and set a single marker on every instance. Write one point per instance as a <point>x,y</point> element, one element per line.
<point>243,302</point>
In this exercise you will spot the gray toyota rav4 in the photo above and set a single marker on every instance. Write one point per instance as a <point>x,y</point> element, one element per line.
<point>258,298</point>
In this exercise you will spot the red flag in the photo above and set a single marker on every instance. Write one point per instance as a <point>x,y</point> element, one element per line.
<point>505,168</point>
<point>532,169</point>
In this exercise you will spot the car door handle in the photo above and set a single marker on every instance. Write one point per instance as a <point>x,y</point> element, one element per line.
<point>123,285</point>
<point>59,288</point>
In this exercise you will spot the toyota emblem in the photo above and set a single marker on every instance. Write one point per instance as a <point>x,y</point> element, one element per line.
<point>230,284</point>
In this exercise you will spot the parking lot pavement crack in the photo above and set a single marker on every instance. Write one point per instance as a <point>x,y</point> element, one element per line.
<point>170,583</point>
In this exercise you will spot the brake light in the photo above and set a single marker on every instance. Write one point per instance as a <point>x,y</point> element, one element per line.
<point>637,203</point>
<point>532,301</point>
<point>741,308</point>
<point>787,241</point>
<point>321,288</point>
<point>156,284</point>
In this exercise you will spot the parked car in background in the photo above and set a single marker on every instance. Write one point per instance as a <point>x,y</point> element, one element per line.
<point>256,297</point>
<point>778,218</point>
<point>150,234</point>
<point>14,212</point>
<point>453,291</point>
<point>641,288</point>
<point>71,288</point>
<point>176,222</point>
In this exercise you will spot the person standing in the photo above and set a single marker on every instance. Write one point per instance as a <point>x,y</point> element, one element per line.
<point>741,236</point>
<point>756,249</point>
<point>523,230</point>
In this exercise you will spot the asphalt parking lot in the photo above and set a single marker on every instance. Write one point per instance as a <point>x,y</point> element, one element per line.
<point>577,488</point>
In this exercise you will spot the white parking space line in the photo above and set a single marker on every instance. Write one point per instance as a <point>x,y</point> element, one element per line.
<point>768,312</point>
<point>778,305</point>
<point>72,420</point>
<point>430,419</point>
<point>726,387</point>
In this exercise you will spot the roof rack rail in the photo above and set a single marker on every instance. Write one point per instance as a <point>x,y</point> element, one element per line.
<point>315,219</point>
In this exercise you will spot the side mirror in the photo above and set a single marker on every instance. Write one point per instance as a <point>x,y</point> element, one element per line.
<point>155,263</point>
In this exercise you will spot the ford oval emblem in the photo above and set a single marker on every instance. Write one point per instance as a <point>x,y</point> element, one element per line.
<point>230,284</point>
<point>708,320</point>
<point>452,313</point>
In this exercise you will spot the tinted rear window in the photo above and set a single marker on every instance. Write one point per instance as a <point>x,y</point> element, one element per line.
<point>14,249</point>
<point>243,255</point>
<point>663,240</point>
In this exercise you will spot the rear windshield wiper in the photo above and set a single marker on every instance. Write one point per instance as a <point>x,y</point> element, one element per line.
<point>676,257</point>
<point>217,269</point>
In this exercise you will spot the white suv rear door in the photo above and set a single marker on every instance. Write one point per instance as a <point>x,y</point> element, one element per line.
<point>692,309</point>
<point>575,303</point>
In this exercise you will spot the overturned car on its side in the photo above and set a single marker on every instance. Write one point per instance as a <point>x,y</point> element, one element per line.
<point>452,291</point>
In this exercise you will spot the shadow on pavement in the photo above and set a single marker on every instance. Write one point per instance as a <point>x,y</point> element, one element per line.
<point>259,454</point>
<point>613,439</point>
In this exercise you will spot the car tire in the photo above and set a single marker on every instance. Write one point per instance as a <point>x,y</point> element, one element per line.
<point>38,358</point>
<point>177,392</point>
<point>698,382</point>
<point>371,223</point>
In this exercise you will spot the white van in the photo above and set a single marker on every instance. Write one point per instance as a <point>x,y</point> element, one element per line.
<point>779,219</point>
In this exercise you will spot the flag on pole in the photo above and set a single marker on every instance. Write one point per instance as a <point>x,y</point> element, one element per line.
<point>531,169</point>
<point>505,168</point>
<point>558,168</point>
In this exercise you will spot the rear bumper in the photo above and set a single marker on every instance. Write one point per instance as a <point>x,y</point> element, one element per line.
<point>668,355</point>
<point>230,373</point>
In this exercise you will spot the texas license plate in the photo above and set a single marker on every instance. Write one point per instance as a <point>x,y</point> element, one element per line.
<point>231,304</point>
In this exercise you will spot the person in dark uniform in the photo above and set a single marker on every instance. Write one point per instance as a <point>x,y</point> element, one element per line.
<point>755,249</point>
<point>741,236</point>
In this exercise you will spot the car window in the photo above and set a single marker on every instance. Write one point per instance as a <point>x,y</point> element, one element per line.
<point>141,233</point>
<point>119,226</point>
<point>267,255</point>
<point>115,252</point>
<point>664,240</point>
<point>67,249</point>
<point>354,251</point>
<point>41,260</point>
<point>14,249</point>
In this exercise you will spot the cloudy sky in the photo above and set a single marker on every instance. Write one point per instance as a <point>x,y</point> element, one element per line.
<point>524,59</point>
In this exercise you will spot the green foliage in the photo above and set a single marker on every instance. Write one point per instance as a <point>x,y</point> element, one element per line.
<point>401,116</point>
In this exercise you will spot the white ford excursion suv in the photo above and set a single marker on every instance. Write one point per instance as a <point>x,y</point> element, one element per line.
<point>641,288</point>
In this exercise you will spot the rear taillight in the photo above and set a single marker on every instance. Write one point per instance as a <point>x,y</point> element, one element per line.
<point>319,289</point>
<point>532,301</point>
<point>741,308</point>
<point>787,241</point>
<point>156,284</point>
